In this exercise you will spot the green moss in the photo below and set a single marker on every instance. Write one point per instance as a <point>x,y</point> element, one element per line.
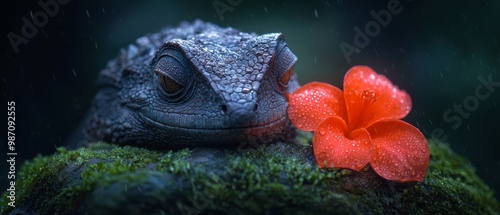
<point>450,187</point>
<point>108,161</point>
<point>451,177</point>
<point>277,178</point>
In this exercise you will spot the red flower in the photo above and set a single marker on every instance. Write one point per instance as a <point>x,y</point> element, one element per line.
<point>361,125</point>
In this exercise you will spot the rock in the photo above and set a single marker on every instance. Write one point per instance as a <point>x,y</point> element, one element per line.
<point>280,178</point>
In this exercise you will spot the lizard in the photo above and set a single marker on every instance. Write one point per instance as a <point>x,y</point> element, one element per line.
<point>197,84</point>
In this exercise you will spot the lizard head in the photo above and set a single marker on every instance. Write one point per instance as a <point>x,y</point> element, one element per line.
<point>202,85</point>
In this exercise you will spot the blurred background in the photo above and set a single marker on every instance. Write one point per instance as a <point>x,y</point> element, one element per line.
<point>437,51</point>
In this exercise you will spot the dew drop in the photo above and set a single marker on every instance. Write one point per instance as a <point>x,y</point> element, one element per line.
<point>322,132</point>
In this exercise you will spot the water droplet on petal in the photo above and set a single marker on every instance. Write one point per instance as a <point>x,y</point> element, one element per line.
<point>322,131</point>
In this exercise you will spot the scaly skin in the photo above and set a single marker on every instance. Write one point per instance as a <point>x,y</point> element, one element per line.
<point>195,85</point>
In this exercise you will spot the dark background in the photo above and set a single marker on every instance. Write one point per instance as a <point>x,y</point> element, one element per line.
<point>434,50</point>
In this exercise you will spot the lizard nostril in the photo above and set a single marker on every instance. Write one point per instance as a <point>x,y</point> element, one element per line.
<point>223,108</point>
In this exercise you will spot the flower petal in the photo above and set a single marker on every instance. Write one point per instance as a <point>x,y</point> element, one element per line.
<point>400,151</point>
<point>309,105</point>
<point>333,148</point>
<point>371,97</point>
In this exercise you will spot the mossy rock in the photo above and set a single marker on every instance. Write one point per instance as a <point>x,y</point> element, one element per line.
<point>280,178</point>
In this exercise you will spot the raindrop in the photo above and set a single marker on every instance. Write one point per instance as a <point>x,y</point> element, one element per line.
<point>322,131</point>
<point>87,11</point>
<point>316,13</point>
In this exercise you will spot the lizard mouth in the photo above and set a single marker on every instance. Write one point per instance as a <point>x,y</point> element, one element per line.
<point>162,135</point>
<point>191,130</point>
<point>264,125</point>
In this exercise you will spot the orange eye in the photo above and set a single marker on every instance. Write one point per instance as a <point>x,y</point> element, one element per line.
<point>283,66</point>
<point>174,74</point>
<point>168,84</point>
<point>285,78</point>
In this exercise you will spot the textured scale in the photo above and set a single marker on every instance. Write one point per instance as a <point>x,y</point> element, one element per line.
<point>229,87</point>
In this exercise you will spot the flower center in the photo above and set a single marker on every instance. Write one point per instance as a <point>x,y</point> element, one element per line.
<point>368,97</point>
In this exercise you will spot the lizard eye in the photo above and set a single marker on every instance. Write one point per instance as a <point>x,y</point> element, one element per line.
<point>285,77</point>
<point>173,74</point>
<point>284,65</point>
<point>167,83</point>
